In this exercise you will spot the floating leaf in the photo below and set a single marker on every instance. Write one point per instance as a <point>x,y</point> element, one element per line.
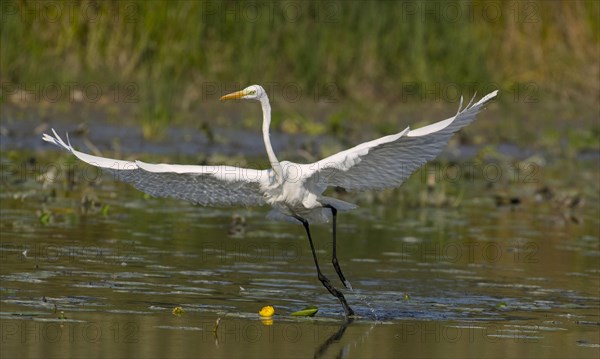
<point>45,218</point>
<point>309,311</point>
<point>104,210</point>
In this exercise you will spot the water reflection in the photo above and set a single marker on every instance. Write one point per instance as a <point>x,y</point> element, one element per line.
<point>334,338</point>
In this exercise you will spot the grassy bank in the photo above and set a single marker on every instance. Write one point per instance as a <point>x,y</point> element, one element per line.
<point>167,57</point>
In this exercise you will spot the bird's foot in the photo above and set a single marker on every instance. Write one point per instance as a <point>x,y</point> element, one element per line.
<point>327,284</point>
<point>348,312</point>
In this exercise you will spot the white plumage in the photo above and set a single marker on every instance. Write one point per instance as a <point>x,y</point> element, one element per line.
<point>291,188</point>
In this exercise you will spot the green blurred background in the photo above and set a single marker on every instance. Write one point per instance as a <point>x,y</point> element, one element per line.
<point>333,67</point>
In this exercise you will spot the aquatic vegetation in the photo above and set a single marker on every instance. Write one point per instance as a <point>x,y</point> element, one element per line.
<point>168,58</point>
<point>216,327</point>
<point>309,311</point>
<point>45,216</point>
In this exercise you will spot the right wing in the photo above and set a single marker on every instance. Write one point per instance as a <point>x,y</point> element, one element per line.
<point>204,185</point>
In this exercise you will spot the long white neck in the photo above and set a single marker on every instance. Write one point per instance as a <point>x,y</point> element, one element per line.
<point>266,108</point>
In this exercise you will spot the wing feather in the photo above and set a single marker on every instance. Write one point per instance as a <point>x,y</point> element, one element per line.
<point>388,161</point>
<point>205,185</point>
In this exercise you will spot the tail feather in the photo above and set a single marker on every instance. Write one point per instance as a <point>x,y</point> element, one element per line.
<point>337,203</point>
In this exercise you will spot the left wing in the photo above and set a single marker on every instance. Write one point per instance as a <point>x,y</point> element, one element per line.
<point>388,161</point>
<point>205,185</point>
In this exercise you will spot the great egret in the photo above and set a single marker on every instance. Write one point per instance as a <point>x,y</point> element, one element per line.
<point>295,191</point>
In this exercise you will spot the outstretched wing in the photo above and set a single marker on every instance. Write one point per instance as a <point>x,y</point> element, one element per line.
<point>388,161</point>
<point>205,185</point>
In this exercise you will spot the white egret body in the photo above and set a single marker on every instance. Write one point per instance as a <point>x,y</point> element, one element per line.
<point>295,191</point>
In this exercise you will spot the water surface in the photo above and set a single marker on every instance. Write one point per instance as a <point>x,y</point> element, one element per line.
<point>91,267</point>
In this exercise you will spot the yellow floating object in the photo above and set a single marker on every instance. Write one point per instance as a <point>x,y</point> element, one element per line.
<point>267,311</point>
<point>177,311</point>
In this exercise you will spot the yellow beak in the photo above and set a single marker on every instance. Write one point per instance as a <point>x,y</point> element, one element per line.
<point>233,96</point>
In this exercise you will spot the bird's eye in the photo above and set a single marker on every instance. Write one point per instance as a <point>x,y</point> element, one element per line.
<point>252,92</point>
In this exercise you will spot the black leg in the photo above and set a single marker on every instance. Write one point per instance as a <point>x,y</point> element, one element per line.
<point>334,259</point>
<point>326,283</point>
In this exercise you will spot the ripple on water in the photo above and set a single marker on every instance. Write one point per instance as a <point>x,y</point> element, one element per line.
<point>210,282</point>
<point>29,277</point>
<point>124,311</point>
<point>169,269</point>
<point>197,273</point>
<point>192,290</point>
